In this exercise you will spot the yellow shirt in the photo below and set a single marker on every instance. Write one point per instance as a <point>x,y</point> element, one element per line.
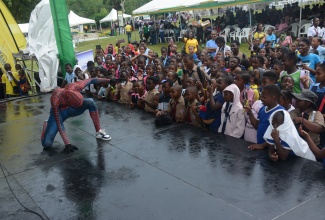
<point>255,89</point>
<point>128,28</point>
<point>190,42</point>
<point>259,35</point>
<point>9,86</point>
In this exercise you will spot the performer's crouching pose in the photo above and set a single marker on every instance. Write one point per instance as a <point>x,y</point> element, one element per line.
<point>68,102</point>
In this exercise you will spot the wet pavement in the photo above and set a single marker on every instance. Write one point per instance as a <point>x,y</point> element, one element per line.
<point>145,172</point>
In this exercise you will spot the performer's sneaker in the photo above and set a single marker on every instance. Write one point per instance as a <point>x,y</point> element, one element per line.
<point>102,134</point>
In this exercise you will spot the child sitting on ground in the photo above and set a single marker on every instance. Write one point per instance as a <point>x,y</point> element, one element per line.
<point>176,107</point>
<point>232,116</point>
<point>192,106</point>
<point>283,138</point>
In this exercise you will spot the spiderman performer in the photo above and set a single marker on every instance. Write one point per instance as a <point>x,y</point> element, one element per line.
<point>68,102</point>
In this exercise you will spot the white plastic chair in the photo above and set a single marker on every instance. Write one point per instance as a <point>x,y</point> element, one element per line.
<point>225,33</point>
<point>235,26</point>
<point>233,35</point>
<point>294,29</point>
<point>170,34</point>
<point>243,34</point>
<point>267,26</point>
<point>304,29</point>
<point>304,21</point>
<point>181,34</point>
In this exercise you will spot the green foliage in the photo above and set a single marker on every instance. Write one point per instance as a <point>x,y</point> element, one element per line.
<point>21,10</point>
<point>131,5</point>
<point>93,9</point>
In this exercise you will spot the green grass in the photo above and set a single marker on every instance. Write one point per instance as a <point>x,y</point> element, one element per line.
<point>88,45</point>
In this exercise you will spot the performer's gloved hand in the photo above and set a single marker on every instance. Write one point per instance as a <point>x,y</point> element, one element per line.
<point>69,148</point>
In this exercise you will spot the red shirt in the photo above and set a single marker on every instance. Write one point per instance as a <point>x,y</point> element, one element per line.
<point>69,96</point>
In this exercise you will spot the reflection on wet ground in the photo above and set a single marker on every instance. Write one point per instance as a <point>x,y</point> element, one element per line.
<point>146,172</point>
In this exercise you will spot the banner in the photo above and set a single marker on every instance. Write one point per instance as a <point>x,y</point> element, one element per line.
<point>62,33</point>
<point>11,37</point>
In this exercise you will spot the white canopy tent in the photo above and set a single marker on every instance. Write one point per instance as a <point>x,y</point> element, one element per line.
<point>24,27</point>
<point>76,20</point>
<point>112,16</point>
<point>158,5</point>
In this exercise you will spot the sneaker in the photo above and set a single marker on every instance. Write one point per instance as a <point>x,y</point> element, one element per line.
<point>102,134</point>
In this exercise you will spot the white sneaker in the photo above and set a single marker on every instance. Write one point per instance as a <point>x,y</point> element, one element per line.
<point>102,134</point>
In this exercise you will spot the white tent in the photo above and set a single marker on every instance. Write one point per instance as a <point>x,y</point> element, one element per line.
<point>24,27</point>
<point>112,16</point>
<point>149,7</point>
<point>76,20</point>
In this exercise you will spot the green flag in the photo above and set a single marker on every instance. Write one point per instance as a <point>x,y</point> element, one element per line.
<point>62,33</point>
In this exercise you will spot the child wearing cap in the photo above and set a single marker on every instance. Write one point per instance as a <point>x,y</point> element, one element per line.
<point>306,114</point>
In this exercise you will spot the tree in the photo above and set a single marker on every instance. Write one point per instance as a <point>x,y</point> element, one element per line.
<point>21,10</point>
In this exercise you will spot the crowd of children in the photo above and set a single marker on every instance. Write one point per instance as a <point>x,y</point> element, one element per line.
<point>268,99</point>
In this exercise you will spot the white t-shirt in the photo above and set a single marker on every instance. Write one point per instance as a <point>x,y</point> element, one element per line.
<point>224,49</point>
<point>312,31</point>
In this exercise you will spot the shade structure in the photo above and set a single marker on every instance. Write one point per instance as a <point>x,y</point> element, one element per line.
<point>24,27</point>
<point>76,20</point>
<point>158,6</point>
<point>207,4</point>
<point>112,16</point>
<point>155,6</point>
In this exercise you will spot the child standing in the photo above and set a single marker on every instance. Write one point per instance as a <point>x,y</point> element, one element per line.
<point>232,116</point>
<point>283,138</point>
<point>138,92</point>
<point>176,107</point>
<point>23,83</point>
<point>211,112</point>
<point>124,88</point>
<point>301,80</point>
<point>192,106</point>
<point>286,100</point>
<point>247,95</point>
<point>270,99</point>
<point>165,97</point>
<point>150,103</point>
<point>306,114</point>
<point>319,87</point>
<point>10,79</point>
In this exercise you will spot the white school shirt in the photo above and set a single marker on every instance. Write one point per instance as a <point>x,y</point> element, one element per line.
<point>312,31</point>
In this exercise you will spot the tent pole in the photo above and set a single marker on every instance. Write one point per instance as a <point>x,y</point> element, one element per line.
<point>300,18</point>
<point>250,15</point>
<point>179,20</point>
